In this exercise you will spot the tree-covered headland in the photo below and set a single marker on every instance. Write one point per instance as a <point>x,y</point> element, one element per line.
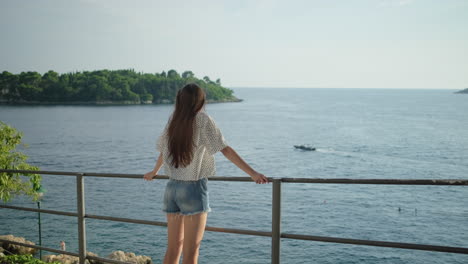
<point>464,91</point>
<point>104,86</point>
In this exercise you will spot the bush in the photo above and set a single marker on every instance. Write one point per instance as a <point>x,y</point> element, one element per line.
<point>146,97</point>
<point>22,259</point>
<point>11,184</point>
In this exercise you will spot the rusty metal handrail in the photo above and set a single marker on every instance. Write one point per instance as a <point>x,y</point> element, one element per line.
<point>275,233</point>
<point>248,179</point>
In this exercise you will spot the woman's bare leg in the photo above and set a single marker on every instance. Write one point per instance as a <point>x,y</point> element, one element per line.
<point>194,228</point>
<point>175,238</point>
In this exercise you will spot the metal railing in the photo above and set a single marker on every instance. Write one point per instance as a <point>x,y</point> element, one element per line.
<point>275,232</point>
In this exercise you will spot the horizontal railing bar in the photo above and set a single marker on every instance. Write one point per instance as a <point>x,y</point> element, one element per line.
<point>113,175</point>
<point>375,243</point>
<point>46,211</point>
<point>160,177</point>
<point>157,223</point>
<point>237,179</point>
<point>117,175</point>
<point>126,220</point>
<point>105,260</point>
<point>121,175</point>
<point>61,173</point>
<point>247,179</point>
<point>379,181</point>
<point>238,231</point>
<point>40,247</point>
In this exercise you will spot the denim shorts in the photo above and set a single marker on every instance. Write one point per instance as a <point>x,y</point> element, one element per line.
<point>186,197</point>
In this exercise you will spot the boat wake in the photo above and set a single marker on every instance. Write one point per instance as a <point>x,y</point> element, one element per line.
<point>333,151</point>
<point>366,156</point>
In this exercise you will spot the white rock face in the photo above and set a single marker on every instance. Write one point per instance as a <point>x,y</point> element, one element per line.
<point>66,259</point>
<point>15,249</point>
<point>119,255</point>
<point>129,257</point>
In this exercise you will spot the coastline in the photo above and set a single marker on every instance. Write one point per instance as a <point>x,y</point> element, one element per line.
<point>158,102</point>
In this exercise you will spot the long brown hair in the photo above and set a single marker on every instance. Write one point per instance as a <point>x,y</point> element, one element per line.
<point>189,101</point>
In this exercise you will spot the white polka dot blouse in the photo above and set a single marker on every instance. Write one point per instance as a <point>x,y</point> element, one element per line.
<point>208,140</point>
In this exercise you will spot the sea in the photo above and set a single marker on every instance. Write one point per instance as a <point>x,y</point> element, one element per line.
<point>357,133</point>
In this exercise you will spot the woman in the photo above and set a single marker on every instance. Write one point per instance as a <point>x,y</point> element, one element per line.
<point>187,147</point>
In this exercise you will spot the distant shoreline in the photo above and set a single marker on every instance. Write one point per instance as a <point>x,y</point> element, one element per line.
<point>162,102</point>
<point>464,91</point>
<point>346,88</point>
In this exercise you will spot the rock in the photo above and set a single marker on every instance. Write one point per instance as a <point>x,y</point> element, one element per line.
<point>16,249</point>
<point>129,257</point>
<point>66,259</point>
<point>164,101</point>
<point>94,261</point>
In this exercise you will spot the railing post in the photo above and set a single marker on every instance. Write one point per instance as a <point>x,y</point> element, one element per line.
<point>81,218</point>
<point>40,228</point>
<point>276,222</point>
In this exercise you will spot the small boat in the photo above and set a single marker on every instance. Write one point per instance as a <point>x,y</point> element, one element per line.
<point>304,147</point>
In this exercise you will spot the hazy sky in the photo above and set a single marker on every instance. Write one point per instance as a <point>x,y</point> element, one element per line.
<point>246,43</point>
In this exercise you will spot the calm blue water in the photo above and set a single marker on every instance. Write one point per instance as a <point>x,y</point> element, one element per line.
<point>359,133</point>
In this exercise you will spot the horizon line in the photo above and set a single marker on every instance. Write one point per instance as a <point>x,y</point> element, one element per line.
<point>380,88</point>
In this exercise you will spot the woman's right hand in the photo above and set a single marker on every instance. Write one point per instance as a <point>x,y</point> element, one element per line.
<point>149,176</point>
<point>259,178</point>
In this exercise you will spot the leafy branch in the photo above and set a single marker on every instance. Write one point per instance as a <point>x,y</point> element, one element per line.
<point>13,184</point>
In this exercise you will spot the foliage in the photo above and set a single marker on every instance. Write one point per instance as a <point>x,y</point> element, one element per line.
<point>103,86</point>
<point>22,259</point>
<point>12,184</point>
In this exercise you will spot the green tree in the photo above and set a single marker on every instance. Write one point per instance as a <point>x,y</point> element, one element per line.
<point>29,86</point>
<point>100,87</point>
<point>188,74</point>
<point>146,97</point>
<point>8,86</point>
<point>50,85</point>
<point>207,79</point>
<point>172,74</point>
<point>12,184</point>
<point>68,91</point>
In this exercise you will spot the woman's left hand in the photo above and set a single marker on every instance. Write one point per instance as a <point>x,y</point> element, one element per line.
<point>259,178</point>
<point>149,176</point>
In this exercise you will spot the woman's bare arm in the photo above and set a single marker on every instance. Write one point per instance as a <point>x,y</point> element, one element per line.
<point>232,155</point>
<point>149,175</point>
